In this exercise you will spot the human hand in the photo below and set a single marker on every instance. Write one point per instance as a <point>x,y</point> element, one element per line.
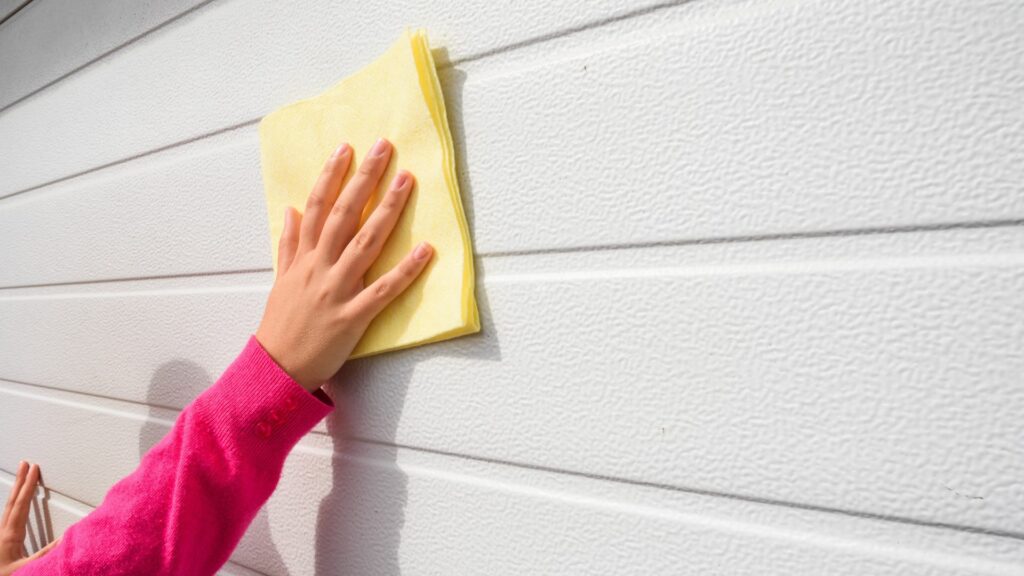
<point>15,519</point>
<point>318,307</point>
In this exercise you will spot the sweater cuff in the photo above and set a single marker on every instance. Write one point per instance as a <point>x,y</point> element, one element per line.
<point>266,402</point>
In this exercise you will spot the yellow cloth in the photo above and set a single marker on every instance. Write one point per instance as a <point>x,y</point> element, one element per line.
<point>397,97</point>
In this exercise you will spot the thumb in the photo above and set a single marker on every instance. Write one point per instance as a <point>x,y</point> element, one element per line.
<point>19,564</point>
<point>39,554</point>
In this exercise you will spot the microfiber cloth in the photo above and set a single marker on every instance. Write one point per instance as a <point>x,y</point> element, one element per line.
<point>397,97</point>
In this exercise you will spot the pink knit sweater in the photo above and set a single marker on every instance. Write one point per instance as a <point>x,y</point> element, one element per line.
<point>187,505</point>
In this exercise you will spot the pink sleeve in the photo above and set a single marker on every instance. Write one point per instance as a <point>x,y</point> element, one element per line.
<point>187,505</point>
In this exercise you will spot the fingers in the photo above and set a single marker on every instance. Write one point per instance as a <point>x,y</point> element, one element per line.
<point>23,503</point>
<point>366,245</point>
<point>324,193</point>
<point>289,242</point>
<point>18,564</point>
<point>377,296</point>
<point>19,480</point>
<point>343,221</point>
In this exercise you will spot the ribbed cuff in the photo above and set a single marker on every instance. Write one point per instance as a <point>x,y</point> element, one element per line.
<point>265,403</point>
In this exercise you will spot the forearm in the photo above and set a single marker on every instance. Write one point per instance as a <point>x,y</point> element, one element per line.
<point>193,495</point>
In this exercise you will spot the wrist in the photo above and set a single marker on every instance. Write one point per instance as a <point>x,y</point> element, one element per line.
<point>270,347</point>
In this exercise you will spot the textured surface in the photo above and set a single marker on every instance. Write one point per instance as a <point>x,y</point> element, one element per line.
<point>32,58</point>
<point>9,7</point>
<point>751,279</point>
<point>397,97</point>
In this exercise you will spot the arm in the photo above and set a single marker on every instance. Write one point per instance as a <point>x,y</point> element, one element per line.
<point>187,505</point>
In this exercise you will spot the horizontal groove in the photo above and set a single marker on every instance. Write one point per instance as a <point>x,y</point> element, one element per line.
<point>90,395</point>
<point>11,15</point>
<point>101,56</point>
<point>709,241</point>
<point>613,479</point>
<point>469,58</point>
<point>769,237</point>
<point>709,493</point>
<point>139,278</point>
<point>540,39</point>
<point>127,159</point>
<point>244,566</point>
<point>42,484</point>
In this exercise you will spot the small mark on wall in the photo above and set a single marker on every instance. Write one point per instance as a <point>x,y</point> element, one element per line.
<point>962,495</point>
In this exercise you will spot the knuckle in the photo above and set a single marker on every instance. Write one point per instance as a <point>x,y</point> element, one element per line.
<point>323,295</point>
<point>343,210</point>
<point>346,316</point>
<point>382,289</point>
<point>365,240</point>
<point>393,201</point>
<point>368,167</point>
<point>314,200</point>
<point>307,271</point>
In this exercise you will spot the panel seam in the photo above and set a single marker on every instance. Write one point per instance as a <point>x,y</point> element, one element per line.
<point>598,248</point>
<point>536,40</point>
<point>11,15</point>
<point>778,503</point>
<point>101,56</point>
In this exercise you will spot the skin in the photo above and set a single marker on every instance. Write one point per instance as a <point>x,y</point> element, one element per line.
<point>318,307</point>
<point>15,521</point>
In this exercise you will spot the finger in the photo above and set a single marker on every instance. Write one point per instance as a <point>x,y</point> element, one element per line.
<point>372,300</point>
<point>19,479</point>
<point>24,502</point>
<point>16,565</point>
<point>343,221</point>
<point>289,241</point>
<point>366,245</point>
<point>324,193</point>
<point>44,550</point>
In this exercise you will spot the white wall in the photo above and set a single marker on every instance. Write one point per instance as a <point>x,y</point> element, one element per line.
<point>751,278</point>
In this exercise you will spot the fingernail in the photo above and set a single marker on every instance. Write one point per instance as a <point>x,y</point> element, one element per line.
<point>422,251</point>
<point>342,150</point>
<point>287,217</point>
<point>380,147</point>
<point>401,180</point>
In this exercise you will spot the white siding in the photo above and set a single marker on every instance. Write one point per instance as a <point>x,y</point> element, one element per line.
<point>9,7</point>
<point>50,39</point>
<point>751,279</point>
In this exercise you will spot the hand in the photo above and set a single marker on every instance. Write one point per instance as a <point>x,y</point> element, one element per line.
<point>318,307</point>
<point>12,529</point>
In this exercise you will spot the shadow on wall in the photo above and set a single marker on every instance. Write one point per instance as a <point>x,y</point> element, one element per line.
<point>360,522</point>
<point>166,385</point>
<point>40,524</point>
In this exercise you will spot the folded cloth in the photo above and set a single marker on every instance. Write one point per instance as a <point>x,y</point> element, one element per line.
<point>397,97</point>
